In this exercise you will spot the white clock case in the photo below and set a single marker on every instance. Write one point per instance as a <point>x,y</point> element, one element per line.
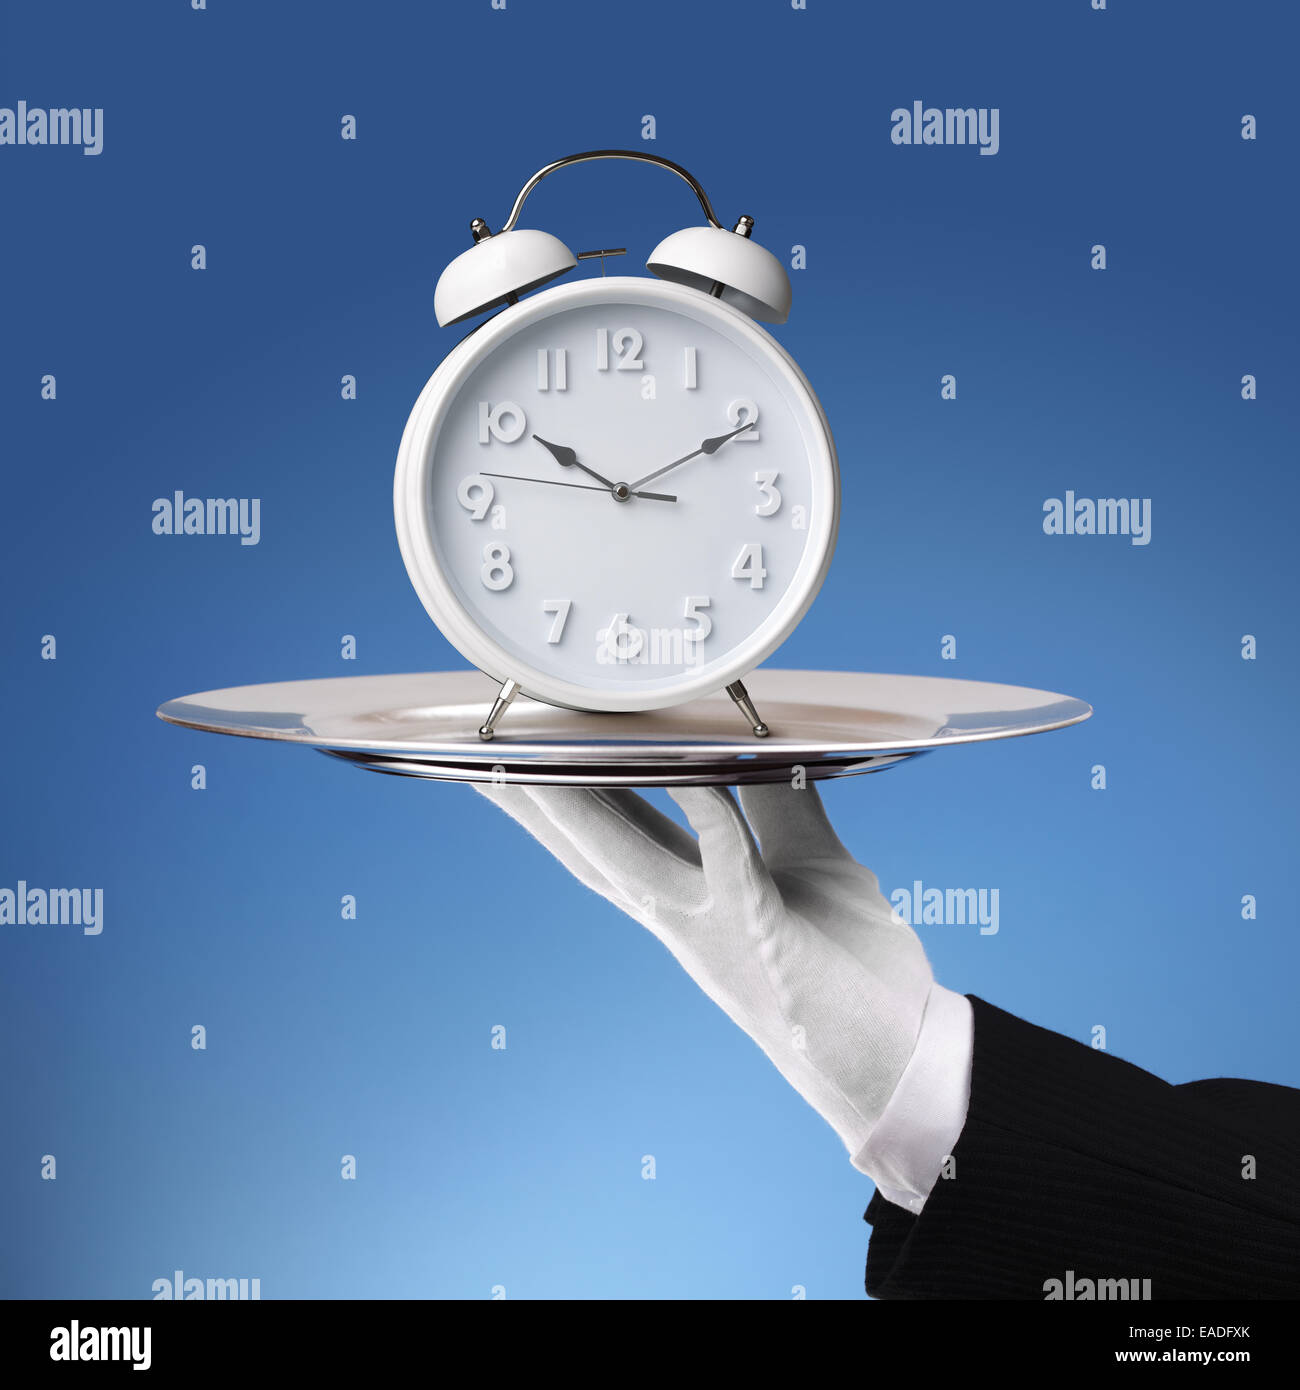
<point>411,492</point>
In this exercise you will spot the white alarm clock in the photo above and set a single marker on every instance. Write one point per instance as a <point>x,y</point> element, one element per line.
<point>620,493</point>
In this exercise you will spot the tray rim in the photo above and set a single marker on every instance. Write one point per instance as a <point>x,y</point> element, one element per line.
<point>625,752</point>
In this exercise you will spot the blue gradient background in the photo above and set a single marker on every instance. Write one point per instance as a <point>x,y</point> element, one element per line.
<point>522,1168</point>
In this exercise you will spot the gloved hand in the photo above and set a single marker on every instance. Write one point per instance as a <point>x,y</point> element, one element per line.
<point>796,942</point>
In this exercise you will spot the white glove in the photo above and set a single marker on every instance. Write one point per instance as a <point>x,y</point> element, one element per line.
<point>796,943</point>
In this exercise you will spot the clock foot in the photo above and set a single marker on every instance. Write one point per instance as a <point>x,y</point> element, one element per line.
<point>509,689</point>
<point>740,695</point>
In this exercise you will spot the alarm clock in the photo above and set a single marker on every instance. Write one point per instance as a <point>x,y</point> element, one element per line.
<point>619,493</point>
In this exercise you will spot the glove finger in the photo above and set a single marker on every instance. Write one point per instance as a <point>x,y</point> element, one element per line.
<point>737,879</point>
<point>520,807</point>
<point>791,824</point>
<point>646,856</point>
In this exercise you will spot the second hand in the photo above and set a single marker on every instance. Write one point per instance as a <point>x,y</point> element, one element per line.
<point>582,487</point>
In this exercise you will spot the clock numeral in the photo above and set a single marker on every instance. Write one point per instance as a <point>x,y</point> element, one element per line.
<point>560,375</point>
<point>475,494</point>
<point>503,421</point>
<point>620,641</point>
<point>690,378</point>
<point>749,565</point>
<point>766,480</point>
<point>628,343</point>
<point>693,613</point>
<point>743,411</point>
<point>560,608</point>
<point>497,572</point>
<point>627,347</point>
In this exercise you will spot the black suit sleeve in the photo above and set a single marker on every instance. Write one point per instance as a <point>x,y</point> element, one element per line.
<point>1072,1159</point>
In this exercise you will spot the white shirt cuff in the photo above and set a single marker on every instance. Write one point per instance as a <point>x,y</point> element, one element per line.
<point>927,1112</point>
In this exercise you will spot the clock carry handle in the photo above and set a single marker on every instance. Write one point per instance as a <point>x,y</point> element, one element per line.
<point>639,156</point>
<point>501,266</point>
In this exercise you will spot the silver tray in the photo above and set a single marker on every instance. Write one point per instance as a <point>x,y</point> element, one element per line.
<point>830,723</point>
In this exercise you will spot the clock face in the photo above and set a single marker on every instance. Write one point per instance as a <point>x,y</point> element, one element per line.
<point>622,493</point>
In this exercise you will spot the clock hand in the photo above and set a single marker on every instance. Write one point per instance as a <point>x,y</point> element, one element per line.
<point>622,495</point>
<point>567,458</point>
<point>710,446</point>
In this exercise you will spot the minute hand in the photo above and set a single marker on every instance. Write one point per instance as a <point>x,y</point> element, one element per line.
<point>710,446</point>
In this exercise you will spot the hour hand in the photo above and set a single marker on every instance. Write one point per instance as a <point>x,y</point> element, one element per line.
<point>567,458</point>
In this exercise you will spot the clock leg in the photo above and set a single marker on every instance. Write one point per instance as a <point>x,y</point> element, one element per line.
<point>740,695</point>
<point>509,689</point>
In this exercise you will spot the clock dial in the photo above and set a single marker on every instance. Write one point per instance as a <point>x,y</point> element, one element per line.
<point>627,497</point>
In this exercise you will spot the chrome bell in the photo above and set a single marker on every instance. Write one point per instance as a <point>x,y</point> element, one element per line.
<point>727,264</point>
<point>497,270</point>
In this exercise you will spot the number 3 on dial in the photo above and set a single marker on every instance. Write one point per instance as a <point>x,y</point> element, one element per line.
<point>771,503</point>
